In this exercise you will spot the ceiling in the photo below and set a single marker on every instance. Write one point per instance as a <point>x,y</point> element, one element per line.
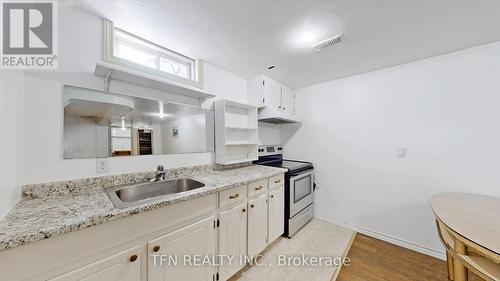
<point>246,36</point>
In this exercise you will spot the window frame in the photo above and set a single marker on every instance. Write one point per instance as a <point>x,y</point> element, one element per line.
<point>161,52</point>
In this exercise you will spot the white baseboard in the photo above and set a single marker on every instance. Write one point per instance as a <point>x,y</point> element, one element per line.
<point>388,238</point>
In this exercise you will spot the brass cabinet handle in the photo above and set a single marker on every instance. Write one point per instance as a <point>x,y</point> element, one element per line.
<point>234,196</point>
<point>133,258</point>
<point>259,188</point>
<point>244,210</point>
<point>156,248</point>
<point>278,181</point>
<point>251,206</point>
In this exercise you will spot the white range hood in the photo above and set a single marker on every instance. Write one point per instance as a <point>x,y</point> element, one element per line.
<point>269,115</point>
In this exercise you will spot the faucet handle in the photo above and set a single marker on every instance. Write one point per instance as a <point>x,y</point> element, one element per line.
<point>160,173</point>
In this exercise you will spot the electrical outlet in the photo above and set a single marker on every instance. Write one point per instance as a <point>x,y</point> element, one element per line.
<point>101,165</point>
<point>316,182</point>
<point>402,152</point>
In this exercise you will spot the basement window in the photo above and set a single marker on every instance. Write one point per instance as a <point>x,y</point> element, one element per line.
<point>126,49</point>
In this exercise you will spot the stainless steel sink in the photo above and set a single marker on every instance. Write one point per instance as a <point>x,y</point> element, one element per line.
<point>132,195</point>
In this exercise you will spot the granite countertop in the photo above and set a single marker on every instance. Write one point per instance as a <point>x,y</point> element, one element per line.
<point>47,210</point>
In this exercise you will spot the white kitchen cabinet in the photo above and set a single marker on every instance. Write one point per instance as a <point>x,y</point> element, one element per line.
<point>272,93</point>
<point>232,239</point>
<point>197,239</point>
<point>123,266</point>
<point>287,100</point>
<point>255,91</point>
<point>264,91</point>
<point>276,101</point>
<point>257,225</point>
<point>276,213</point>
<point>246,223</point>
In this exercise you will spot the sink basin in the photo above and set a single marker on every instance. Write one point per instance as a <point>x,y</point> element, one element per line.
<point>133,195</point>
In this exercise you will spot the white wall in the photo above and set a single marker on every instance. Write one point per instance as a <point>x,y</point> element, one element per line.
<point>41,126</point>
<point>85,137</point>
<point>224,84</point>
<point>157,141</point>
<point>11,139</point>
<point>269,134</point>
<point>191,134</point>
<point>445,110</point>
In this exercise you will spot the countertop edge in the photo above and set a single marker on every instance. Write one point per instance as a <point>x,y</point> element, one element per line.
<point>115,214</point>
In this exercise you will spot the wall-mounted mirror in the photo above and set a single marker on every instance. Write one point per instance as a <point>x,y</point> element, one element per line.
<point>102,124</point>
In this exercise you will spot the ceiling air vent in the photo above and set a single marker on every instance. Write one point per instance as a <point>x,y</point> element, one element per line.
<point>328,42</point>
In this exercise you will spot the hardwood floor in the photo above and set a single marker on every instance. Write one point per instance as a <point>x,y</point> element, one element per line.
<point>376,260</point>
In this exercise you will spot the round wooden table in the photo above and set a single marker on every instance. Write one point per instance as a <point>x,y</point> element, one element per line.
<point>469,226</point>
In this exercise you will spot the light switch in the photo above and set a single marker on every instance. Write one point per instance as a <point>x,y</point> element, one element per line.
<point>402,152</point>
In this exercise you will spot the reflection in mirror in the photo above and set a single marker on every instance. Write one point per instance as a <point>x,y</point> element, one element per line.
<point>102,124</point>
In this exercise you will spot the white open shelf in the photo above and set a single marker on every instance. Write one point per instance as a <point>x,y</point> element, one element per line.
<point>239,154</point>
<point>241,137</point>
<point>241,160</point>
<point>239,128</point>
<point>123,74</point>
<point>236,132</point>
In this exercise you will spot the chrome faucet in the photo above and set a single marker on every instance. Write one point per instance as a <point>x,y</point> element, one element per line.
<point>160,174</point>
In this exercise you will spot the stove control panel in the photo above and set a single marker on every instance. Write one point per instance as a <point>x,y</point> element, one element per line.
<point>270,150</point>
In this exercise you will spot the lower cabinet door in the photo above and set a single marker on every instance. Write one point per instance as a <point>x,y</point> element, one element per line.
<point>257,225</point>
<point>123,266</point>
<point>232,241</point>
<point>184,254</point>
<point>276,213</point>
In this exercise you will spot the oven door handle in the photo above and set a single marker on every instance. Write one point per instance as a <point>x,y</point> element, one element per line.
<point>300,174</point>
<point>297,176</point>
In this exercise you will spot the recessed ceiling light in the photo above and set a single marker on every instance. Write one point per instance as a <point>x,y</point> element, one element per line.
<point>306,35</point>
<point>271,67</point>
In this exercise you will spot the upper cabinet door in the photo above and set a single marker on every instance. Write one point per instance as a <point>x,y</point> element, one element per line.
<point>272,93</point>
<point>287,100</point>
<point>255,91</point>
<point>124,266</point>
<point>195,239</point>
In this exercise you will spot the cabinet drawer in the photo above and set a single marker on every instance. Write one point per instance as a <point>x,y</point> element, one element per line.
<point>257,188</point>
<point>233,195</point>
<point>276,181</point>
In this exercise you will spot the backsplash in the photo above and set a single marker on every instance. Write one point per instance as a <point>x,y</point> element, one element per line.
<point>64,187</point>
<point>219,167</point>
